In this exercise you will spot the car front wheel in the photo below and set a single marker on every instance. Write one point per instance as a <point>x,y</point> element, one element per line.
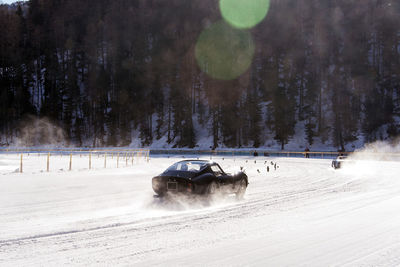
<point>242,189</point>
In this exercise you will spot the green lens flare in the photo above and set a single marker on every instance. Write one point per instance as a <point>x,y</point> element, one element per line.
<point>244,14</point>
<point>223,52</point>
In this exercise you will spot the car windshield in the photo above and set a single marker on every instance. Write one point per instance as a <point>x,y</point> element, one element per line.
<point>191,166</point>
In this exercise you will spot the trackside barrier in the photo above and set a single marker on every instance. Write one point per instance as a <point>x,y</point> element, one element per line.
<point>268,153</point>
<point>24,156</point>
<point>136,154</point>
<point>233,153</point>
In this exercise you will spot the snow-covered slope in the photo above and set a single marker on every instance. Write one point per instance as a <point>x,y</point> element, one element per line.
<point>304,213</point>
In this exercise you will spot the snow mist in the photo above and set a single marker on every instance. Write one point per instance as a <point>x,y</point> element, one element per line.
<point>34,131</point>
<point>377,161</point>
<point>378,151</point>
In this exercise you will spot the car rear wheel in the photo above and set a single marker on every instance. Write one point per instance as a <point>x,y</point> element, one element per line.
<point>242,189</point>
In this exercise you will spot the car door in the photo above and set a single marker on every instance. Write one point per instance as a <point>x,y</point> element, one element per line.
<point>223,179</point>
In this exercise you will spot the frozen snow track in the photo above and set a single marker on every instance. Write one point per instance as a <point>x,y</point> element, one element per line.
<point>304,213</point>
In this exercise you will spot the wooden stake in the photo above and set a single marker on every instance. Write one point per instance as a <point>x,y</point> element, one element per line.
<point>48,161</point>
<point>20,164</point>
<point>70,162</point>
<point>90,160</point>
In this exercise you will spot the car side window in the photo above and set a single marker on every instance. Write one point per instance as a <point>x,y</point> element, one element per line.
<point>217,170</point>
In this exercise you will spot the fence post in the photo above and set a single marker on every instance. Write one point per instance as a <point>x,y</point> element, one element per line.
<point>48,161</point>
<point>20,164</point>
<point>132,157</point>
<point>70,162</point>
<point>126,159</point>
<point>118,160</point>
<point>90,160</point>
<point>105,160</point>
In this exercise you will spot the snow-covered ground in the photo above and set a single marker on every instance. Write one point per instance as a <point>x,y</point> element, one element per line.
<point>304,213</point>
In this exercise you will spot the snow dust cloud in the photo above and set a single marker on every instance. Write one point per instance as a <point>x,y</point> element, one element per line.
<point>34,131</point>
<point>182,202</point>
<point>378,151</point>
<point>376,160</point>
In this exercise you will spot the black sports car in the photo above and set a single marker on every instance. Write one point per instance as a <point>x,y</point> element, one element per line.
<point>199,177</point>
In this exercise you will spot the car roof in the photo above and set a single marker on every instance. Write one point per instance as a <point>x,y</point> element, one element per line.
<point>197,160</point>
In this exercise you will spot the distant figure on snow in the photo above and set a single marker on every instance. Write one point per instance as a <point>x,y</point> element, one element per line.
<point>341,152</point>
<point>306,152</point>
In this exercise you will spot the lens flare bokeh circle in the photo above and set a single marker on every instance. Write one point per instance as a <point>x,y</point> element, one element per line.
<point>244,14</point>
<point>224,52</point>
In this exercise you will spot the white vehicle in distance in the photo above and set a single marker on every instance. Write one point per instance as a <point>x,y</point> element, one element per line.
<point>337,163</point>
